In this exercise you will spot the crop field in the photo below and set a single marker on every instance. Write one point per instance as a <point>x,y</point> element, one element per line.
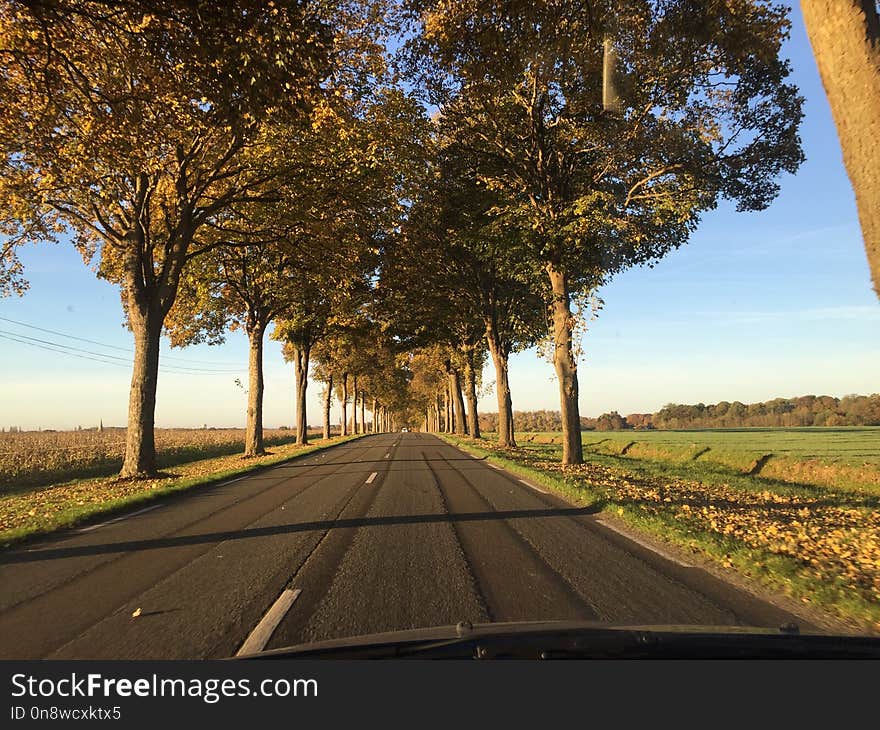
<point>845,457</point>
<point>38,458</point>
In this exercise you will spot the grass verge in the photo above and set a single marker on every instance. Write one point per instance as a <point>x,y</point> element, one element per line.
<point>818,546</point>
<point>24,515</point>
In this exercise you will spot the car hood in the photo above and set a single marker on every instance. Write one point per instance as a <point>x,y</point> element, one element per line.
<point>583,640</point>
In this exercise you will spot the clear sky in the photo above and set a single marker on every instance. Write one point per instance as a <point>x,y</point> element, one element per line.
<point>756,306</point>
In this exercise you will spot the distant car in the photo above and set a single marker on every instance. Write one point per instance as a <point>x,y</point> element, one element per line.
<point>404,430</point>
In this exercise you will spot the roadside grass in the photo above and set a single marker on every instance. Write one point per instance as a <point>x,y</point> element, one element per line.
<point>817,545</point>
<point>39,511</point>
<point>845,458</point>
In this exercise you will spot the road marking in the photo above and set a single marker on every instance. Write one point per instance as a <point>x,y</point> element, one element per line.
<point>119,519</point>
<point>496,467</point>
<point>537,489</point>
<point>371,477</point>
<point>259,637</point>
<point>646,545</point>
<point>232,481</point>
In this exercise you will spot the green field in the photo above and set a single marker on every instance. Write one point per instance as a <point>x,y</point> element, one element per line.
<point>845,457</point>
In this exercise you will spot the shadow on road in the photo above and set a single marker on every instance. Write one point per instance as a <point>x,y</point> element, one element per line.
<point>211,537</point>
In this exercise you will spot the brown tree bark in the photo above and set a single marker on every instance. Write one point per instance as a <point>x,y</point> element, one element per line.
<point>149,294</point>
<point>502,386</point>
<point>450,415</point>
<point>301,372</point>
<point>845,35</point>
<point>470,379</point>
<point>375,426</point>
<point>253,436</point>
<point>457,402</point>
<point>328,400</point>
<point>344,404</point>
<point>354,405</point>
<point>363,413</point>
<point>140,445</point>
<point>566,367</point>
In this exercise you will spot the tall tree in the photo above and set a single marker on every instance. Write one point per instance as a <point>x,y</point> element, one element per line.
<point>134,130</point>
<point>845,35</point>
<point>476,277</point>
<point>236,286</point>
<point>703,112</point>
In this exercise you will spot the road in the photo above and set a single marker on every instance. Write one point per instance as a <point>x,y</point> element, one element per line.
<point>392,531</point>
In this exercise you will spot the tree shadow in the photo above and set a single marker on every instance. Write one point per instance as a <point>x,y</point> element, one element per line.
<point>286,529</point>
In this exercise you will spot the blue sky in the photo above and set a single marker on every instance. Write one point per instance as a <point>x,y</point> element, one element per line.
<point>756,306</point>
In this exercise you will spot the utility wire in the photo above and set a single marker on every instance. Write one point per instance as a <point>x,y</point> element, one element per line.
<point>103,344</point>
<point>100,356</point>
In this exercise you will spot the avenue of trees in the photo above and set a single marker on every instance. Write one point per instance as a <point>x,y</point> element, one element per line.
<point>399,222</point>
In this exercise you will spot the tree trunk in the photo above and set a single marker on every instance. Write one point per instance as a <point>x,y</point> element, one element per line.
<point>354,405</point>
<point>328,400</point>
<point>502,386</point>
<point>845,35</point>
<point>450,409</point>
<point>375,428</point>
<point>470,379</point>
<point>344,404</point>
<point>253,437</point>
<point>566,367</point>
<point>363,412</point>
<point>301,370</point>
<point>140,444</point>
<point>457,402</point>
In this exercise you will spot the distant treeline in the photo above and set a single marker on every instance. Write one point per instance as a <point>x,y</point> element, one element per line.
<point>806,410</point>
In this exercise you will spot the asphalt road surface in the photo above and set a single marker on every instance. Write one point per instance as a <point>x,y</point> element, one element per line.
<point>392,531</point>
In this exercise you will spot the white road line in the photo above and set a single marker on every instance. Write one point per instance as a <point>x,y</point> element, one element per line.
<point>528,484</point>
<point>371,477</point>
<point>259,637</point>
<point>496,467</point>
<point>647,546</point>
<point>119,519</point>
<point>232,481</point>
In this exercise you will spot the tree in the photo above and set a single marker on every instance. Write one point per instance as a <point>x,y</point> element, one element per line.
<point>845,35</point>
<point>476,293</point>
<point>244,286</point>
<point>314,243</point>
<point>135,130</point>
<point>703,113</point>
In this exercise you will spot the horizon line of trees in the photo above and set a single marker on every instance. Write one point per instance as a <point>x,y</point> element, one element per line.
<point>801,411</point>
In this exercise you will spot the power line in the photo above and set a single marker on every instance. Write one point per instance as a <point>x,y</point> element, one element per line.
<point>114,357</point>
<point>100,356</point>
<point>103,344</point>
<point>63,352</point>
